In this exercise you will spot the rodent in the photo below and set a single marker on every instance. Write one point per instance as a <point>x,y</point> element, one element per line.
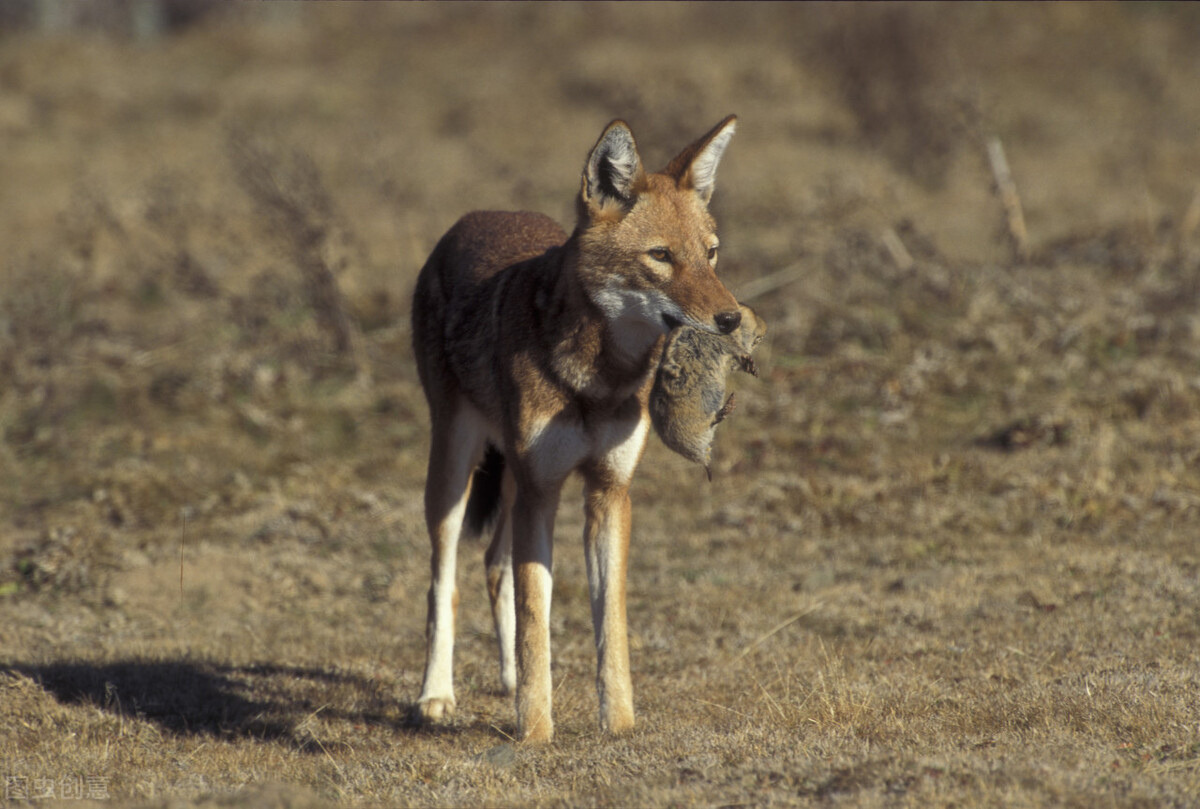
<point>688,400</point>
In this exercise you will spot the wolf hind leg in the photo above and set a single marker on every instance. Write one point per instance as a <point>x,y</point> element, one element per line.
<point>455,450</point>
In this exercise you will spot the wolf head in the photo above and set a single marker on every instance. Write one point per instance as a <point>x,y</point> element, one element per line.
<point>648,245</point>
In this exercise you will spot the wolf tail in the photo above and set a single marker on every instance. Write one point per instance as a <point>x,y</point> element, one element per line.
<point>484,503</point>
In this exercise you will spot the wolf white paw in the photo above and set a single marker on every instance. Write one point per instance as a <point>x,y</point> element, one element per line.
<point>508,682</point>
<point>435,709</point>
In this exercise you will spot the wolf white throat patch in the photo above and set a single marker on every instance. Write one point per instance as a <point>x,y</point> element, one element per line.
<point>635,315</point>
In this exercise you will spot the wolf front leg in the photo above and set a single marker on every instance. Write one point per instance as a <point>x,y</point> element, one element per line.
<point>456,446</point>
<point>533,531</point>
<point>607,512</point>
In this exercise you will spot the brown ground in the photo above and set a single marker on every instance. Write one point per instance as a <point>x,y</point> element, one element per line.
<point>949,555</point>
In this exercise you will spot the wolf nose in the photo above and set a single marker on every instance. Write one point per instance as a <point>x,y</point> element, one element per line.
<point>728,321</point>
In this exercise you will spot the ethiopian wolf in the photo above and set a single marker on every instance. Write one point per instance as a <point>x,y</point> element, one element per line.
<point>537,351</point>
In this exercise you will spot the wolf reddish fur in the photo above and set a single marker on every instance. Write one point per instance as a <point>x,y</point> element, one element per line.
<point>543,346</point>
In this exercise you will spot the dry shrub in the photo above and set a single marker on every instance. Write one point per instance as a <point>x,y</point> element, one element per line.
<point>63,560</point>
<point>40,307</point>
<point>290,195</point>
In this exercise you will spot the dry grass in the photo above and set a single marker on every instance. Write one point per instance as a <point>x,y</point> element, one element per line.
<point>948,557</point>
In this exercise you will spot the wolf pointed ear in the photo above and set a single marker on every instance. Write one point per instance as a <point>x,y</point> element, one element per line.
<point>614,169</point>
<point>696,166</point>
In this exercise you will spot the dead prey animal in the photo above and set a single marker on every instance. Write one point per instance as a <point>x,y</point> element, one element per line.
<point>688,400</point>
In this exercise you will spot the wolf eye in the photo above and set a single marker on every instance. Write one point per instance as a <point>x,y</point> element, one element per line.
<point>659,254</point>
<point>712,253</point>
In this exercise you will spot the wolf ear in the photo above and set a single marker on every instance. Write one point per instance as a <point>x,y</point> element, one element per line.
<point>696,166</point>
<point>614,169</point>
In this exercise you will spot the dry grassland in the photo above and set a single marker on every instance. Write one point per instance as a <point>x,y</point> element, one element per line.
<point>949,556</point>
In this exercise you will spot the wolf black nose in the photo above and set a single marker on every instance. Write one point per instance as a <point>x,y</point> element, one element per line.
<point>728,321</point>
